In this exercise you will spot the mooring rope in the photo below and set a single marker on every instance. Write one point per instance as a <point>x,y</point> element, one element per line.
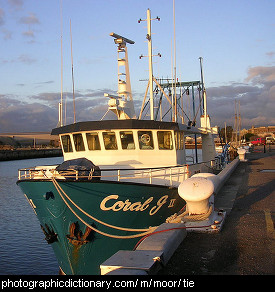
<point>60,191</point>
<point>183,217</point>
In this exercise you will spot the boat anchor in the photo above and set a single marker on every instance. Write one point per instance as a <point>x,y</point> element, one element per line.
<point>76,237</point>
<point>50,235</point>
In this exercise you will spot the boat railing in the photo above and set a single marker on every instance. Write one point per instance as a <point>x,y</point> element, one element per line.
<point>155,175</point>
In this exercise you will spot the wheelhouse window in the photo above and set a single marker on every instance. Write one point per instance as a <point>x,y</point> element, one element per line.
<point>127,140</point>
<point>93,141</point>
<point>179,140</point>
<point>78,142</point>
<point>109,139</point>
<point>145,140</point>
<point>66,143</point>
<point>165,140</point>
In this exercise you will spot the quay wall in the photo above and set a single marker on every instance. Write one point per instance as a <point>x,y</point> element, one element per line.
<point>29,154</point>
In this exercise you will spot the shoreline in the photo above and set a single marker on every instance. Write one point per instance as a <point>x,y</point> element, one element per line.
<point>6,155</point>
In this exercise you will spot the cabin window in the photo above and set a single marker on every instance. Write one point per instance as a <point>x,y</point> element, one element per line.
<point>127,140</point>
<point>78,142</point>
<point>66,143</point>
<point>165,140</point>
<point>145,140</point>
<point>179,140</point>
<point>109,139</point>
<point>93,141</point>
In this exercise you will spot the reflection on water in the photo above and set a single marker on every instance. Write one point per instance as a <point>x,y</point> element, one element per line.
<point>23,248</point>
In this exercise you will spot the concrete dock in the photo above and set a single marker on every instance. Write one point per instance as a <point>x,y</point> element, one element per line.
<point>246,243</point>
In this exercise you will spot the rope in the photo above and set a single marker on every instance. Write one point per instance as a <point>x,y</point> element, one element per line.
<point>215,223</point>
<point>173,228</point>
<point>59,190</point>
<point>90,216</point>
<point>183,217</point>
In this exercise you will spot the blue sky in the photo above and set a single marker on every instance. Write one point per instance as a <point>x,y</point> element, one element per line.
<point>236,39</point>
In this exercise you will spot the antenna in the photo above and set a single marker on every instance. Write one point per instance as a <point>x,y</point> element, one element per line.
<point>61,93</point>
<point>204,94</point>
<point>150,55</point>
<point>65,111</point>
<point>119,39</point>
<point>72,68</point>
<point>149,38</point>
<point>175,75</point>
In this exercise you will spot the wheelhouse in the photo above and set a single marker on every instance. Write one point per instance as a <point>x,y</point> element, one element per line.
<point>127,142</point>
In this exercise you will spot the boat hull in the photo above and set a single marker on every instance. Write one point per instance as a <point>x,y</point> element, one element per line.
<point>80,250</point>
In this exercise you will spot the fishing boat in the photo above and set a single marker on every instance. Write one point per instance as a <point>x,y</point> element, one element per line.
<point>120,177</point>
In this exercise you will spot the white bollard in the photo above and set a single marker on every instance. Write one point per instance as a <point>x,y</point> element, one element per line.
<point>211,176</point>
<point>196,191</point>
<point>241,152</point>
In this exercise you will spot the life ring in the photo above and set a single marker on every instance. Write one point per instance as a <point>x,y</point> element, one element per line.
<point>145,138</point>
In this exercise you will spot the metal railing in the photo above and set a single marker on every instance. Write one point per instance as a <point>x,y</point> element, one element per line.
<point>158,175</point>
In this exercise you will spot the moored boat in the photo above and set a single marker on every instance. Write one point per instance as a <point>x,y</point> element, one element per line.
<point>119,178</point>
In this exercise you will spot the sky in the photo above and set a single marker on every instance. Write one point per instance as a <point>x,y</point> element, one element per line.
<point>235,38</point>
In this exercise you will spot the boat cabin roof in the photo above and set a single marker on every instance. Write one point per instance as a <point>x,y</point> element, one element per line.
<point>123,124</point>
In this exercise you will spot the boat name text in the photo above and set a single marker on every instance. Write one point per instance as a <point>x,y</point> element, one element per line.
<point>108,204</point>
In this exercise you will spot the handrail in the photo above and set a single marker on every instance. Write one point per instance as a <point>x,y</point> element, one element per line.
<point>29,173</point>
<point>168,173</point>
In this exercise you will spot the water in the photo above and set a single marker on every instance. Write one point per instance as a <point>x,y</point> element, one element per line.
<point>23,248</point>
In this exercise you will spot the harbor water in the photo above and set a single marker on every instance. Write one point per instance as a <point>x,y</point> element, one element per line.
<point>23,248</point>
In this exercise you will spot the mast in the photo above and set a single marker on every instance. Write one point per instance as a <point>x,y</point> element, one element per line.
<point>150,56</point>
<point>175,75</point>
<point>61,90</point>
<point>149,38</point>
<point>122,105</point>
<point>240,122</point>
<point>235,138</point>
<point>204,95</point>
<point>225,132</point>
<point>72,68</point>
<point>237,123</point>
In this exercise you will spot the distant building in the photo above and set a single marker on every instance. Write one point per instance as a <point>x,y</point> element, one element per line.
<point>263,131</point>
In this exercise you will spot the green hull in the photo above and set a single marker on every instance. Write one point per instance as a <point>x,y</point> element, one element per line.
<point>125,205</point>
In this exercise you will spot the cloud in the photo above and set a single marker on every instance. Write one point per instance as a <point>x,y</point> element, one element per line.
<point>261,75</point>
<point>257,99</point>
<point>17,4</point>
<point>2,16</point>
<point>7,34</point>
<point>40,113</point>
<point>16,115</point>
<point>256,95</point>
<point>26,59</point>
<point>30,19</point>
<point>29,34</point>
<point>229,91</point>
<point>44,82</point>
<point>270,54</point>
<point>90,104</point>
